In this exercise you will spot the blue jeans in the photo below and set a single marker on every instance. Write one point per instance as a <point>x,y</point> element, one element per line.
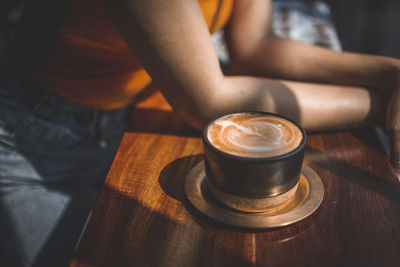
<point>54,156</point>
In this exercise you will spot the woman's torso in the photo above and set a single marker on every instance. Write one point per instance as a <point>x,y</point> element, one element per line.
<point>90,64</point>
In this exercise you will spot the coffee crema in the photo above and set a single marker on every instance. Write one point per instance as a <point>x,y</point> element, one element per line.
<point>254,135</point>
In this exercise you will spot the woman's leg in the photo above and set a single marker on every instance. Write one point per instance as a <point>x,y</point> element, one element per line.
<point>54,156</point>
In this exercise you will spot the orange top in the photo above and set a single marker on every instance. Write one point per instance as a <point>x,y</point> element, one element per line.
<point>91,64</point>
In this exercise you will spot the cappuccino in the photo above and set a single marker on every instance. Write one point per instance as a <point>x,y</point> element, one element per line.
<point>254,135</point>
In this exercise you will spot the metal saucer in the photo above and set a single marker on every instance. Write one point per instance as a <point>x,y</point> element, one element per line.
<point>305,201</point>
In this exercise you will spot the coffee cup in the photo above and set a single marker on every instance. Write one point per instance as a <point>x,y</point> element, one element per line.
<point>253,160</point>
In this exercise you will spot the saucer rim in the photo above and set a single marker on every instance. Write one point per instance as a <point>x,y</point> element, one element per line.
<point>241,219</point>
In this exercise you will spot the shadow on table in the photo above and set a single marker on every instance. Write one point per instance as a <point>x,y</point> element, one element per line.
<point>172,179</point>
<point>378,184</point>
<point>369,137</point>
<point>124,232</point>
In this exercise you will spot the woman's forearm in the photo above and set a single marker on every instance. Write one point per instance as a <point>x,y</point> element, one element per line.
<point>315,106</point>
<point>287,59</point>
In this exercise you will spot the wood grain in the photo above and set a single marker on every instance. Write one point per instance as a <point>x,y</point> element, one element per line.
<point>143,219</point>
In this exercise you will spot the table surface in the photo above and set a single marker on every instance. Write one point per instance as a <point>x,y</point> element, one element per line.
<point>142,217</point>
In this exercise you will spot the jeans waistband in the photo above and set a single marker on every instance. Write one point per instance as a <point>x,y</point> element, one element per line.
<point>23,94</point>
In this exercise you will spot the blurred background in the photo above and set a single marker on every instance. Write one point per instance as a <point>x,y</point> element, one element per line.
<point>368,26</point>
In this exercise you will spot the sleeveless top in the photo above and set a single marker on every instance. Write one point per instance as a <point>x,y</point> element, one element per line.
<point>90,64</point>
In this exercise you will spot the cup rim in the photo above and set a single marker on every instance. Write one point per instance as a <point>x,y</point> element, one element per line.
<point>299,148</point>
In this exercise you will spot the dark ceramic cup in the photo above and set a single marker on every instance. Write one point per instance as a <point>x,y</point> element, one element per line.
<point>253,183</point>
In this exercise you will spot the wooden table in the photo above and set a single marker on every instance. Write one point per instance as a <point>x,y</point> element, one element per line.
<point>143,219</point>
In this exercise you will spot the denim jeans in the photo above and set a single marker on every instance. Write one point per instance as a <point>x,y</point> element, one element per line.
<point>54,156</point>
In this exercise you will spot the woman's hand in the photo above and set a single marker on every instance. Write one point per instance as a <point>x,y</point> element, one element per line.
<point>393,127</point>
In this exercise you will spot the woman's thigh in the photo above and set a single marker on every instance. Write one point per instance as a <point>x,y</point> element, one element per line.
<point>54,156</point>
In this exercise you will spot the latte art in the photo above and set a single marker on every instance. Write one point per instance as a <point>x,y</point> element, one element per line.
<point>254,135</point>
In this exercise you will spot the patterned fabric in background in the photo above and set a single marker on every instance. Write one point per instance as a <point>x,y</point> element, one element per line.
<point>306,21</point>
<point>309,22</point>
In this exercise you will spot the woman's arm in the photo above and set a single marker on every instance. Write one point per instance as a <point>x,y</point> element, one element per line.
<point>172,42</point>
<point>255,51</point>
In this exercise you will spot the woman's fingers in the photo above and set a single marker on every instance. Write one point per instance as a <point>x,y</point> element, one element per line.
<point>393,125</point>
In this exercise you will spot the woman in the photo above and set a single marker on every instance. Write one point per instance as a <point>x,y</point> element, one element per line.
<point>69,91</point>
